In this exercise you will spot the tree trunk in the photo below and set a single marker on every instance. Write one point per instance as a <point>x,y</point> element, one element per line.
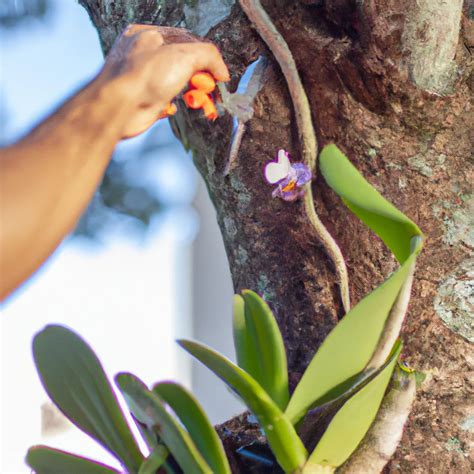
<point>390,82</point>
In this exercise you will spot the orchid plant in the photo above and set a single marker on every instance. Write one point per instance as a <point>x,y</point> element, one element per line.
<point>340,393</point>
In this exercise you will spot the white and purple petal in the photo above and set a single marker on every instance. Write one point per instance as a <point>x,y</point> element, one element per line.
<point>279,170</point>
<point>303,173</point>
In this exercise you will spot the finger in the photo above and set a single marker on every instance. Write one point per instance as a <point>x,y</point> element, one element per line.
<point>206,57</point>
<point>177,35</point>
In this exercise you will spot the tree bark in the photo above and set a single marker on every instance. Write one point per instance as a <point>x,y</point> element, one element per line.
<point>390,82</point>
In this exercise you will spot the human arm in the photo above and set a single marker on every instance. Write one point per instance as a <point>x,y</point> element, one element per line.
<point>48,178</point>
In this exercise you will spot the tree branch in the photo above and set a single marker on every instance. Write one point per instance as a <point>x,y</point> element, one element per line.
<point>430,39</point>
<point>385,434</point>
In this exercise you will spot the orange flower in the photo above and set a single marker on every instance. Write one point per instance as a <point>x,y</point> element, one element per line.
<point>195,99</point>
<point>170,109</point>
<point>199,96</point>
<point>203,81</point>
<point>210,110</point>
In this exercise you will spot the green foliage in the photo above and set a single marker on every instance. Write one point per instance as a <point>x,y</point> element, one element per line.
<point>75,380</point>
<point>281,435</point>
<point>338,358</point>
<point>348,348</point>
<point>191,414</point>
<point>337,385</point>
<point>391,225</point>
<point>149,409</point>
<point>154,461</point>
<point>352,421</point>
<point>246,358</point>
<point>259,346</point>
<point>45,460</point>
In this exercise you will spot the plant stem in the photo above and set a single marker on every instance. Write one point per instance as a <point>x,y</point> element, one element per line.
<point>307,137</point>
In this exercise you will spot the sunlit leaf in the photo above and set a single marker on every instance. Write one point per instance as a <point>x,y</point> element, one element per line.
<point>390,224</point>
<point>348,348</point>
<point>281,435</point>
<point>154,461</point>
<point>46,460</point>
<point>148,408</point>
<point>76,382</point>
<point>191,414</point>
<point>247,358</point>
<point>266,345</point>
<point>310,428</point>
<point>352,421</point>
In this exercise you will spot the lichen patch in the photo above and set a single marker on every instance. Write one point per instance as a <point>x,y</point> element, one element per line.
<point>454,302</point>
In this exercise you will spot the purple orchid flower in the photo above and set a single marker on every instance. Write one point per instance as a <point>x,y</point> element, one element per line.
<point>289,177</point>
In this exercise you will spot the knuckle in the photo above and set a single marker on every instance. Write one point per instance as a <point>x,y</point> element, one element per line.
<point>151,37</point>
<point>212,49</point>
<point>130,29</point>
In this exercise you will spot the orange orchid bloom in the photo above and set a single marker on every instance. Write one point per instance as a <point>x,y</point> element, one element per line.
<point>210,110</point>
<point>195,99</point>
<point>203,81</point>
<point>202,85</point>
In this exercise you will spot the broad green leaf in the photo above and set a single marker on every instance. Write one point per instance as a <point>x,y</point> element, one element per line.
<point>266,346</point>
<point>391,225</point>
<point>247,358</point>
<point>352,421</point>
<point>349,346</point>
<point>148,408</point>
<point>76,382</point>
<point>281,435</point>
<point>191,414</point>
<point>155,460</point>
<point>148,435</point>
<point>46,460</point>
<point>309,428</point>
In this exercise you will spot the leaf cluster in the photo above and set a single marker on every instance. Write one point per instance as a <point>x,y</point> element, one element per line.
<point>314,430</point>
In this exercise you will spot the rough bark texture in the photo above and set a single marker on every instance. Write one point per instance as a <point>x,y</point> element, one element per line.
<point>407,127</point>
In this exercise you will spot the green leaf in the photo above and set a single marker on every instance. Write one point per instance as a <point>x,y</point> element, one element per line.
<point>281,435</point>
<point>148,408</point>
<point>46,460</point>
<point>191,414</point>
<point>391,225</point>
<point>76,382</point>
<point>247,358</point>
<point>349,346</point>
<point>154,461</point>
<point>327,406</point>
<point>352,421</point>
<point>266,346</point>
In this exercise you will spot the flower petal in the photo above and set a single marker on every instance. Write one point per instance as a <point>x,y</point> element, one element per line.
<point>203,81</point>
<point>303,173</point>
<point>195,99</point>
<point>275,172</point>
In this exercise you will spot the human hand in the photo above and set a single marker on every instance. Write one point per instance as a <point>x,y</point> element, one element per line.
<point>152,65</point>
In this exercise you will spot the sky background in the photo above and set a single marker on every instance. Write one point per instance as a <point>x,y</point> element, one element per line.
<point>128,297</point>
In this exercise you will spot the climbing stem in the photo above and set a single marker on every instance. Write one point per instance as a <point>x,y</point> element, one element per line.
<point>307,136</point>
<point>330,246</point>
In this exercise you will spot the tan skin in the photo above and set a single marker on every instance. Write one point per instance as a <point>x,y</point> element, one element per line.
<point>48,178</point>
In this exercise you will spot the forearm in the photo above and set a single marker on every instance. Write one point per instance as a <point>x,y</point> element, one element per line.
<point>48,178</point>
